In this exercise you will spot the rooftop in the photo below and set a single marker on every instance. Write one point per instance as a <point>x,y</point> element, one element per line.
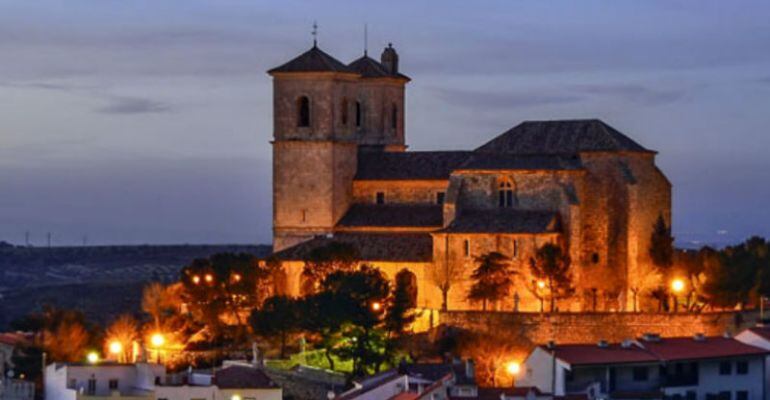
<point>561,137</point>
<point>241,377</point>
<point>414,247</point>
<point>409,165</point>
<point>371,68</point>
<point>313,60</point>
<point>392,216</point>
<point>504,220</point>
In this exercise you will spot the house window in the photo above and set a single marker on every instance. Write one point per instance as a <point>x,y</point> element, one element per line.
<point>725,368</point>
<point>303,111</point>
<point>380,198</point>
<point>641,374</point>
<point>724,395</point>
<point>691,395</point>
<point>394,116</point>
<point>467,247</point>
<point>595,258</point>
<point>742,367</point>
<point>113,384</point>
<point>505,194</point>
<point>742,395</point>
<point>304,215</point>
<point>344,112</point>
<point>440,198</point>
<point>91,390</point>
<point>359,115</point>
<point>73,384</point>
<point>515,249</point>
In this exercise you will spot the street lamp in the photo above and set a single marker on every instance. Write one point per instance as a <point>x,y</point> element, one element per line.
<point>513,368</point>
<point>677,286</point>
<point>376,306</point>
<point>157,341</point>
<point>209,278</point>
<point>92,357</point>
<point>116,349</point>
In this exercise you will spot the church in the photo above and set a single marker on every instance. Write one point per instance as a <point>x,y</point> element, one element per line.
<point>342,173</point>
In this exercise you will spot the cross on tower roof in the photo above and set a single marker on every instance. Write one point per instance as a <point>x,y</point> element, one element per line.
<point>315,34</point>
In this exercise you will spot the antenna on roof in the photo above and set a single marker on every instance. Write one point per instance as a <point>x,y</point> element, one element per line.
<point>315,34</point>
<point>366,39</point>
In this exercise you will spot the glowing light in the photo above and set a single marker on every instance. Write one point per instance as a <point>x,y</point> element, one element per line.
<point>541,284</point>
<point>512,368</point>
<point>116,347</point>
<point>196,279</point>
<point>209,278</point>
<point>237,278</point>
<point>92,357</point>
<point>235,397</point>
<point>677,285</point>
<point>157,340</point>
<point>376,306</point>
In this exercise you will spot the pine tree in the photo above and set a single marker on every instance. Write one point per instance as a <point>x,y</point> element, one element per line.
<point>493,279</point>
<point>551,266</point>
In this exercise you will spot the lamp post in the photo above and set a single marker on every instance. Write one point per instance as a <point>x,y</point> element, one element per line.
<point>157,340</point>
<point>513,368</point>
<point>677,286</point>
<point>116,349</point>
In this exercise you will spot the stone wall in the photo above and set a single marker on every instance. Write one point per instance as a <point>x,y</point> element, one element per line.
<point>529,329</point>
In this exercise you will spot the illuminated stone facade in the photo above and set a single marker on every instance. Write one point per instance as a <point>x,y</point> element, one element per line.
<point>341,172</point>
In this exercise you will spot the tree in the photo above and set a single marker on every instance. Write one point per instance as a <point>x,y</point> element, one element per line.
<point>402,303</point>
<point>279,316</point>
<point>662,247</point>
<point>321,261</point>
<point>160,301</point>
<point>63,334</point>
<point>551,266</point>
<point>445,277</point>
<point>493,279</point>
<point>736,278</point>
<point>124,330</point>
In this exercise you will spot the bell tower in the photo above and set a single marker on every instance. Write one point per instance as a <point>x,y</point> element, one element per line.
<point>314,147</point>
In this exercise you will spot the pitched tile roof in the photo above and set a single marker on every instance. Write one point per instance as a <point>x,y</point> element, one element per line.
<point>414,247</point>
<point>761,331</point>
<point>241,377</point>
<point>392,216</point>
<point>371,68</point>
<point>504,161</point>
<point>313,60</point>
<point>687,348</point>
<point>409,165</point>
<point>591,354</point>
<point>504,220</point>
<point>561,137</point>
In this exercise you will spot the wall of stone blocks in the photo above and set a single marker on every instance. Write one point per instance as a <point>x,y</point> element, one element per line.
<point>398,191</point>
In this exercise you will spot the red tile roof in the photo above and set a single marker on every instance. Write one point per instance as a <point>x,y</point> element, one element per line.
<point>588,354</point>
<point>687,348</point>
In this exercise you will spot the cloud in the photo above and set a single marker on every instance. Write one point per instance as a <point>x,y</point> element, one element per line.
<point>501,101</point>
<point>133,105</point>
<point>633,93</point>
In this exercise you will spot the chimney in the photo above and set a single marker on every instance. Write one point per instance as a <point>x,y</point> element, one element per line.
<point>389,59</point>
<point>603,344</point>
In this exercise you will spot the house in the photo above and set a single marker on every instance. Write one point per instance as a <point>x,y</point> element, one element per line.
<point>232,382</point>
<point>758,336</point>
<point>651,367</point>
<point>97,381</point>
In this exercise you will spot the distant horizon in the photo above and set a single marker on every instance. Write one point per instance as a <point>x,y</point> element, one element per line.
<point>150,122</point>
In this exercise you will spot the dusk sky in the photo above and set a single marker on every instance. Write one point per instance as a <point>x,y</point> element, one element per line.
<point>149,121</point>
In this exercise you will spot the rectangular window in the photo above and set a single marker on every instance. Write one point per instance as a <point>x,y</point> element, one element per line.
<point>515,248</point>
<point>641,374</point>
<point>724,396</point>
<point>113,384</point>
<point>304,215</point>
<point>467,246</point>
<point>440,198</point>
<point>73,384</point>
<point>725,368</point>
<point>742,367</point>
<point>742,395</point>
<point>380,198</point>
<point>91,390</point>
<point>691,395</point>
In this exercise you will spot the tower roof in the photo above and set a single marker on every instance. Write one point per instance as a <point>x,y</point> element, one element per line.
<point>313,60</point>
<point>371,68</point>
<point>561,137</point>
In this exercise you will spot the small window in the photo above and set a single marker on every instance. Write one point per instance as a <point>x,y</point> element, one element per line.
<point>467,247</point>
<point>359,115</point>
<point>304,215</point>
<point>742,395</point>
<point>394,117</point>
<point>344,112</point>
<point>157,380</point>
<point>641,374</point>
<point>303,112</point>
<point>725,368</point>
<point>91,390</point>
<point>595,258</point>
<point>440,198</point>
<point>724,395</point>
<point>113,384</point>
<point>515,249</point>
<point>380,198</point>
<point>73,384</point>
<point>505,194</point>
<point>691,395</point>
<point>742,367</point>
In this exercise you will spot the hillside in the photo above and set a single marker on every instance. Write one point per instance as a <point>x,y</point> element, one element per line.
<point>100,280</point>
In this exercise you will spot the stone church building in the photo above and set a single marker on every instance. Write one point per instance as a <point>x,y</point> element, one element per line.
<point>342,172</point>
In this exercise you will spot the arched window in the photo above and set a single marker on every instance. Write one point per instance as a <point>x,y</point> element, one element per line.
<point>359,115</point>
<point>303,111</point>
<point>505,194</point>
<point>394,117</point>
<point>344,112</point>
